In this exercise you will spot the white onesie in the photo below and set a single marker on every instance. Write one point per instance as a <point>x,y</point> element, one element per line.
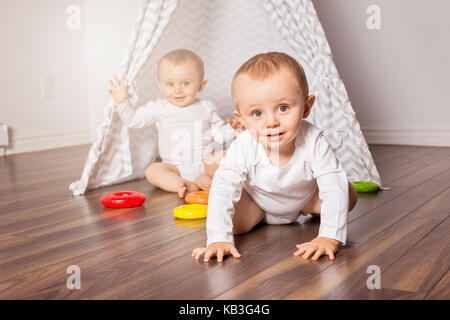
<point>280,192</point>
<point>185,135</point>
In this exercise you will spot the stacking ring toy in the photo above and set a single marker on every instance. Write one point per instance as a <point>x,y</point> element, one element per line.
<point>365,186</point>
<point>125,199</point>
<point>200,197</point>
<point>190,211</point>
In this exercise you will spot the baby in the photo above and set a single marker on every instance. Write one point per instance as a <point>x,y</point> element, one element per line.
<point>280,167</point>
<point>186,125</point>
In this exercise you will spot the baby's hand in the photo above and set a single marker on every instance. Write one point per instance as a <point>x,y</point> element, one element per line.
<point>319,246</point>
<point>219,249</point>
<point>235,124</point>
<point>118,90</point>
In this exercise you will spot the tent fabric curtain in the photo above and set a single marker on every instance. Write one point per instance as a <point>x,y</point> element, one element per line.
<point>119,153</point>
<point>298,23</point>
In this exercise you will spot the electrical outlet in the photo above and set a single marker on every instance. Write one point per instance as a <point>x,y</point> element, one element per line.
<point>3,135</point>
<point>47,87</point>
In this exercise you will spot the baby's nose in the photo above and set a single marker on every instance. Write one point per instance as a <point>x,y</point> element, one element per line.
<point>272,122</point>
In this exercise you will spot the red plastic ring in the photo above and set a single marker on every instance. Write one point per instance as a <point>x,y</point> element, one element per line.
<point>125,199</point>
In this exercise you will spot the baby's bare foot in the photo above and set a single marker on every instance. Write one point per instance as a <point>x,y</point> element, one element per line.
<point>185,187</point>
<point>182,189</point>
<point>204,182</point>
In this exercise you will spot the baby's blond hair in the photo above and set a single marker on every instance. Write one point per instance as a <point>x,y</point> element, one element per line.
<point>182,55</point>
<point>265,65</point>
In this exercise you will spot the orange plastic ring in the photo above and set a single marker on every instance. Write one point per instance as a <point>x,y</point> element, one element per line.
<point>198,197</point>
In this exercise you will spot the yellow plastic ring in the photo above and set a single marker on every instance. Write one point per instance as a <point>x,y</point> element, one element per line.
<point>190,211</point>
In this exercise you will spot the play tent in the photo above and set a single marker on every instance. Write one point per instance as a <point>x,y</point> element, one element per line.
<point>225,34</point>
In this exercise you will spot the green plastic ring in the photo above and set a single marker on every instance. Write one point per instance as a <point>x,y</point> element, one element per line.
<point>365,186</point>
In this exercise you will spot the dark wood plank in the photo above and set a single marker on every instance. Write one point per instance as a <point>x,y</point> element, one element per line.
<point>443,176</point>
<point>92,261</point>
<point>50,282</point>
<point>351,277</point>
<point>436,208</point>
<point>441,290</point>
<point>372,200</point>
<point>7,241</point>
<point>145,253</point>
<point>234,270</point>
<point>175,280</point>
<point>367,226</point>
<point>68,240</point>
<point>296,278</point>
<point>420,157</point>
<point>375,294</point>
<point>389,176</point>
<point>419,269</point>
<point>383,152</point>
<point>424,174</point>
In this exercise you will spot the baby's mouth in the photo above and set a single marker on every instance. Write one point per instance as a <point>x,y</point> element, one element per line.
<point>276,134</point>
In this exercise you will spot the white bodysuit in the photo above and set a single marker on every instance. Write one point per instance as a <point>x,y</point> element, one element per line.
<point>280,192</point>
<point>185,135</point>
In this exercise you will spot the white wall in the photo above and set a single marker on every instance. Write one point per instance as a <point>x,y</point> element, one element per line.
<point>396,77</point>
<point>108,29</point>
<point>35,42</point>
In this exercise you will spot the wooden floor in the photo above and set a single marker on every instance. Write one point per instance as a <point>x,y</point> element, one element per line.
<point>145,253</point>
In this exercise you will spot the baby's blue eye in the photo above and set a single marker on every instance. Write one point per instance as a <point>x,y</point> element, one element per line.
<point>257,113</point>
<point>185,83</point>
<point>283,108</point>
<point>170,84</point>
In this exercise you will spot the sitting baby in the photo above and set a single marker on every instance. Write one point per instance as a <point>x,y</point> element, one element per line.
<point>187,126</point>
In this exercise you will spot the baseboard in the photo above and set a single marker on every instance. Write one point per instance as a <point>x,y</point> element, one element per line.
<point>419,137</point>
<point>52,141</point>
<point>415,137</point>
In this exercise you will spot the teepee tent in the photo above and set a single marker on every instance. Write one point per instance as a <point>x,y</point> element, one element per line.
<point>225,34</point>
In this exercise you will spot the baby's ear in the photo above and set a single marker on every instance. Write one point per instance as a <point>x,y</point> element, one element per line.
<point>203,85</point>
<point>159,85</point>
<point>308,105</point>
